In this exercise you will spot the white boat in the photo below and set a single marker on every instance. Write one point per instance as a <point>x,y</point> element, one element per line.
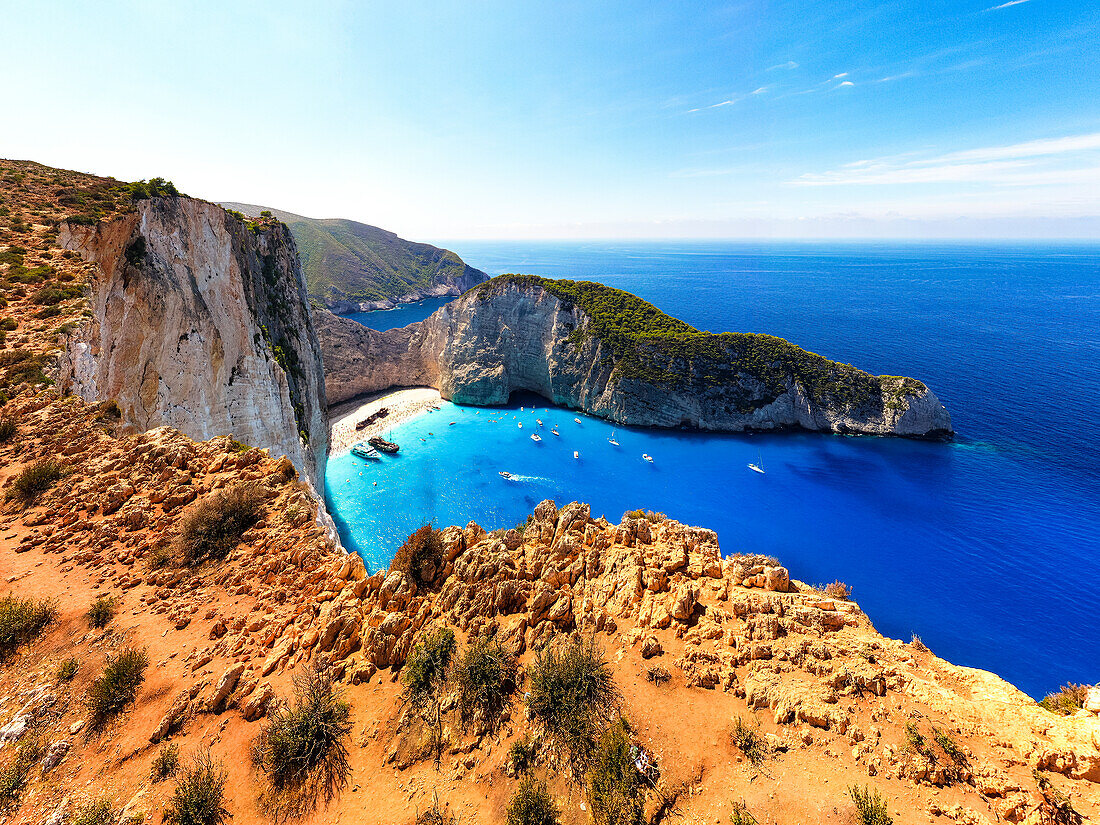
<point>536,437</point>
<point>647,457</point>
<point>612,440</point>
<point>365,451</point>
<point>555,431</point>
<point>520,425</point>
<point>577,420</point>
<point>756,468</point>
<point>505,474</point>
<point>538,421</point>
<point>576,454</point>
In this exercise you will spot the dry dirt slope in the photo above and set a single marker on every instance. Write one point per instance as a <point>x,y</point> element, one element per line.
<point>837,704</point>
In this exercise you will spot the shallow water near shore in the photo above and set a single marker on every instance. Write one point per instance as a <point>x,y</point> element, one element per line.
<point>986,547</point>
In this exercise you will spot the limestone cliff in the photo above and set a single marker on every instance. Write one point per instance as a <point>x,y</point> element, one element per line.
<point>606,352</point>
<point>200,322</point>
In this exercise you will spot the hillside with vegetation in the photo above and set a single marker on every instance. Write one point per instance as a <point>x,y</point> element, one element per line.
<point>351,266</point>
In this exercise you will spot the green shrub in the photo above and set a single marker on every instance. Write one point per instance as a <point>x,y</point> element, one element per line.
<point>741,815</point>
<point>8,429</point>
<point>117,687</point>
<point>66,671</point>
<point>14,777</point>
<point>199,796</point>
<point>750,742</point>
<point>648,515</point>
<point>102,611</point>
<point>424,677</point>
<point>94,813</point>
<point>615,792</point>
<point>914,739</point>
<point>302,749</point>
<point>421,556</point>
<point>486,679</point>
<point>8,324</point>
<point>35,480</point>
<point>153,188</point>
<point>1070,699</point>
<point>531,804</point>
<point>572,694</point>
<point>214,526</point>
<point>166,763</point>
<point>522,755</point>
<point>948,746</point>
<point>870,806</point>
<point>21,620</point>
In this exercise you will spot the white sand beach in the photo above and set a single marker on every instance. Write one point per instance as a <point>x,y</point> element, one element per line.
<point>402,404</point>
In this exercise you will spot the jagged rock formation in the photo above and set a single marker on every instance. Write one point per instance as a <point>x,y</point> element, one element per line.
<point>353,267</point>
<point>589,347</point>
<point>200,322</point>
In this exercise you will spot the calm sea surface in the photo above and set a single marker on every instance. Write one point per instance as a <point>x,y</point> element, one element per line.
<point>987,547</point>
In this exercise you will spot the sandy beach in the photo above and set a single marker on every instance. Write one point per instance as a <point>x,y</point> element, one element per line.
<point>402,404</point>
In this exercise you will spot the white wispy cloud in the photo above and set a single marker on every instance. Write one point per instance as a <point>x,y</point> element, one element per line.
<point>790,64</point>
<point>838,76</point>
<point>760,91</point>
<point>1046,161</point>
<point>1006,5</point>
<point>845,83</point>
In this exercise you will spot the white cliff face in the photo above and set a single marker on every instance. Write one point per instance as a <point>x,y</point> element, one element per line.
<point>483,347</point>
<point>203,325</point>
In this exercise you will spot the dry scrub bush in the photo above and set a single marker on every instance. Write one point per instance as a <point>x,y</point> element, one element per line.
<point>94,813</point>
<point>838,590</point>
<point>741,815</point>
<point>165,763</point>
<point>870,806</point>
<point>66,671</point>
<point>750,742</point>
<point>615,791</point>
<point>35,480</point>
<point>199,796</point>
<point>531,804</point>
<point>486,680</point>
<point>421,556</point>
<point>213,527</point>
<point>21,620</point>
<point>424,677</point>
<point>117,687</point>
<point>8,429</point>
<point>14,777</point>
<point>302,749</point>
<point>1070,699</point>
<point>101,612</point>
<point>572,696</point>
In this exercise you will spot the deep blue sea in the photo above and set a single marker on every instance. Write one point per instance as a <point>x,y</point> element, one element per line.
<point>988,547</point>
<point>400,316</point>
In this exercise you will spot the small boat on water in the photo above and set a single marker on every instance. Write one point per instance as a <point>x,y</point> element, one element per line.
<point>379,443</point>
<point>451,424</point>
<point>576,454</point>
<point>505,474</point>
<point>538,421</point>
<point>647,457</point>
<point>536,437</point>
<point>555,431</point>
<point>520,425</point>
<point>365,451</point>
<point>577,420</point>
<point>612,440</point>
<point>756,468</point>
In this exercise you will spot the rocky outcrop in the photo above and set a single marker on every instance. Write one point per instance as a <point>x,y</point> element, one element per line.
<point>201,322</point>
<point>529,334</point>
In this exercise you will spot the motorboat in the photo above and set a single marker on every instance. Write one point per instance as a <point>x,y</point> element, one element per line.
<point>536,437</point>
<point>647,457</point>
<point>505,474</point>
<point>520,425</point>
<point>538,421</point>
<point>577,420</point>
<point>555,431</point>
<point>365,451</point>
<point>576,454</point>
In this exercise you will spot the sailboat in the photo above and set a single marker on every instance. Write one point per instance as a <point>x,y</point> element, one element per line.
<point>759,466</point>
<point>612,440</point>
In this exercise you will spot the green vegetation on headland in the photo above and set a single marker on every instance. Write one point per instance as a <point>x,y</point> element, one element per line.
<point>347,261</point>
<point>651,346</point>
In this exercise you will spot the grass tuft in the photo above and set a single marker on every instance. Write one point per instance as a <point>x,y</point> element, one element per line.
<point>101,612</point>
<point>35,480</point>
<point>486,680</point>
<point>112,692</point>
<point>21,620</point>
<point>870,806</point>
<point>66,671</point>
<point>615,791</point>
<point>166,763</point>
<point>572,696</point>
<point>199,797</point>
<point>94,813</point>
<point>531,804</point>
<point>750,742</point>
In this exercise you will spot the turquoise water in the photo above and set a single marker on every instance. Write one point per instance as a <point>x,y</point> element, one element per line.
<point>986,547</point>
<point>401,315</point>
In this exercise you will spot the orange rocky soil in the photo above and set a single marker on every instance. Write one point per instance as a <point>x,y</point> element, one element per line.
<point>737,638</point>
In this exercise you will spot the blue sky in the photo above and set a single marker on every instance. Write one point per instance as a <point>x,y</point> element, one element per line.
<point>791,118</point>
